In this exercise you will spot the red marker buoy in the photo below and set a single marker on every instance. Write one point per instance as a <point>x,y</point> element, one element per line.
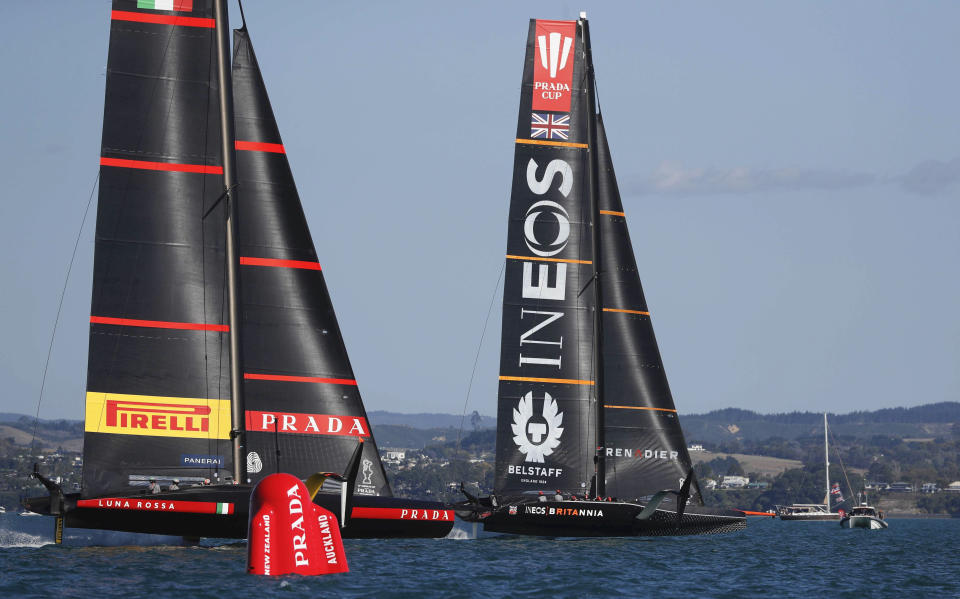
<point>288,533</point>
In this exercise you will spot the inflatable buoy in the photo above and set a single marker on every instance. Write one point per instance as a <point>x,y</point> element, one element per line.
<point>288,533</point>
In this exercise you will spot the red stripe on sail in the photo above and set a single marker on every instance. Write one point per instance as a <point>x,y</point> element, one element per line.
<point>297,379</point>
<point>251,261</point>
<point>162,166</point>
<point>159,324</point>
<point>141,17</point>
<point>257,146</point>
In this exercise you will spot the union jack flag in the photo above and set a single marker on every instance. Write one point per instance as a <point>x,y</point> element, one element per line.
<point>835,492</point>
<point>544,125</point>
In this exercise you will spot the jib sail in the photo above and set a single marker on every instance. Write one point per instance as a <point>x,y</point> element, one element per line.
<point>303,408</point>
<point>645,451</point>
<point>546,415</point>
<point>157,381</point>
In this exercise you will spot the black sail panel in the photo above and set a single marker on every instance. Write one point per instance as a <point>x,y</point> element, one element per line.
<point>157,385</point>
<point>545,414</point>
<point>304,413</point>
<point>644,445</point>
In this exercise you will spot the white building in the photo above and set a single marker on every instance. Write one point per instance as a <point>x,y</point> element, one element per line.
<point>394,456</point>
<point>734,482</point>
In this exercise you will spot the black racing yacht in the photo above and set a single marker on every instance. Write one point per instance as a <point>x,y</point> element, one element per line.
<point>588,438</point>
<point>215,357</point>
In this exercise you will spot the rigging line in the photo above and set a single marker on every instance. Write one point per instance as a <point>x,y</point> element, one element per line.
<point>842,468</point>
<point>56,321</point>
<point>243,18</point>
<point>211,442</point>
<point>476,358</point>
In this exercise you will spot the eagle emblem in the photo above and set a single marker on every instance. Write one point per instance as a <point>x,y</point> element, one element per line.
<point>537,439</point>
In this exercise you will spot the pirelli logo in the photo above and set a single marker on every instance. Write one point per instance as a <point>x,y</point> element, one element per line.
<point>157,416</point>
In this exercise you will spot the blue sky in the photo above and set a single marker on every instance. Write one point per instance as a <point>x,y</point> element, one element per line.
<point>790,175</point>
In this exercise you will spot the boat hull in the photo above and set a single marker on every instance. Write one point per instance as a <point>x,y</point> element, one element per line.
<point>605,519</point>
<point>867,522</point>
<point>372,516</point>
<point>810,517</point>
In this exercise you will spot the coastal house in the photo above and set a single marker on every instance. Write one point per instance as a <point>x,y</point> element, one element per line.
<point>734,482</point>
<point>393,456</point>
<point>900,487</point>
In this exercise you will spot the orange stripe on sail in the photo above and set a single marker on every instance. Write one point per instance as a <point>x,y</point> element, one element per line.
<point>641,312</point>
<point>548,259</point>
<point>542,380</point>
<point>641,408</point>
<point>612,213</point>
<point>542,142</point>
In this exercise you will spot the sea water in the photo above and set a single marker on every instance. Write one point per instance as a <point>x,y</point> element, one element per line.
<point>771,558</point>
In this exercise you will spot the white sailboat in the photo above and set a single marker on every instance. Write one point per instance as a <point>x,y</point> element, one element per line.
<point>813,511</point>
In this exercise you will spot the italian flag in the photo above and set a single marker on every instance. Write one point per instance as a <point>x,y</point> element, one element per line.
<point>179,5</point>
<point>223,508</point>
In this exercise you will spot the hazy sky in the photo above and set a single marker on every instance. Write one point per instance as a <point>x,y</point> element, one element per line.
<point>790,174</point>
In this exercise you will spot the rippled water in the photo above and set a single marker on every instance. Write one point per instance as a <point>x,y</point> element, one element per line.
<point>912,558</point>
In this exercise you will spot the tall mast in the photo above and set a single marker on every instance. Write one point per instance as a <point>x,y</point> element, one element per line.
<point>597,270</point>
<point>233,264</point>
<point>826,461</point>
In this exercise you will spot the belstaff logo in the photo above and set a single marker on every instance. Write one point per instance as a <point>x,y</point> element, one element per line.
<point>157,416</point>
<point>537,437</point>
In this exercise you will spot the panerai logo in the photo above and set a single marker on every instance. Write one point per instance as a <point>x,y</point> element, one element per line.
<point>537,436</point>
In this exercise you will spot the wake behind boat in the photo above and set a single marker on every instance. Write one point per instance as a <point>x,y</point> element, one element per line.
<point>588,438</point>
<point>215,356</point>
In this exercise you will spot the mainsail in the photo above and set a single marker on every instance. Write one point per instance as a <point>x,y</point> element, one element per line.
<point>546,410</point>
<point>157,386</point>
<point>551,433</point>
<point>158,390</point>
<point>303,408</point>
<point>215,354</point>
